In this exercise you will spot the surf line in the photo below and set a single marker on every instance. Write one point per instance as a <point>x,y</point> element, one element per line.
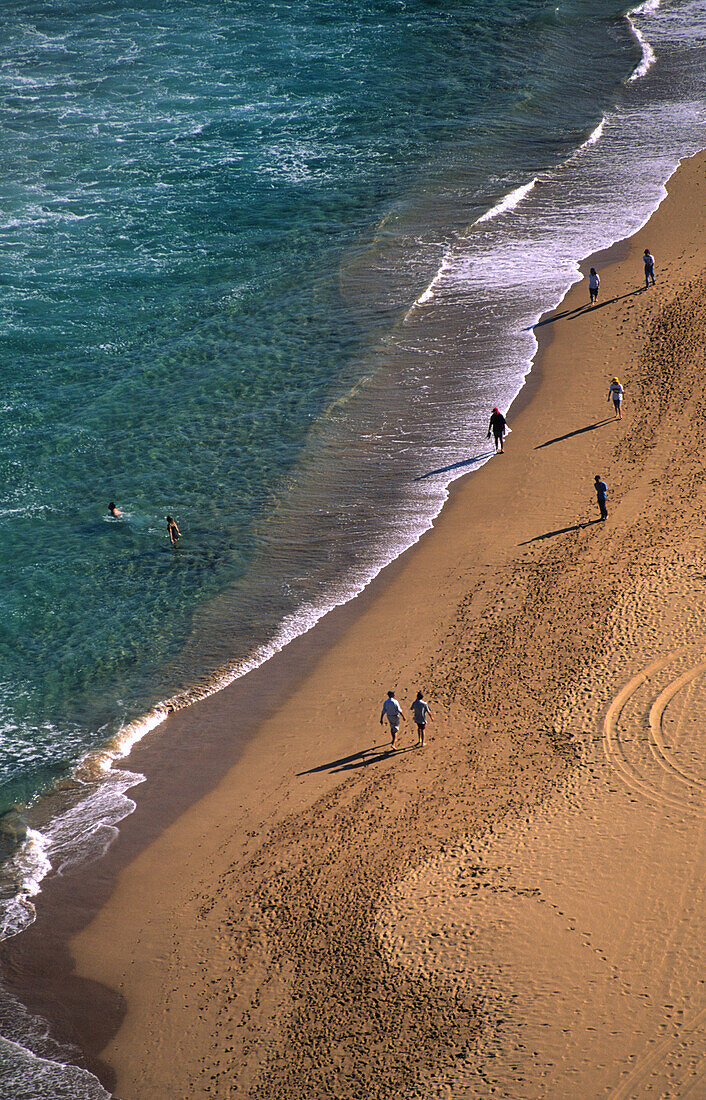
<point>508,202</point>
<point>648,55</point>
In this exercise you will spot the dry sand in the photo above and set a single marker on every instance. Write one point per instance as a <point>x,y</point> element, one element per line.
<point>517,909</point>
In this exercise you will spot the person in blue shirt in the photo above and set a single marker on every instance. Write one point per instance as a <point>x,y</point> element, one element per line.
<point>601,491</point>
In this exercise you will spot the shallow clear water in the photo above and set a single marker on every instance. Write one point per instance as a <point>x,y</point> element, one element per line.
<point>244,281</point>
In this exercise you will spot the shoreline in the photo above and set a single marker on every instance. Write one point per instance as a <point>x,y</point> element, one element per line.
<point>277,683</point>
<point>122,745</point>
<point>203,688</point>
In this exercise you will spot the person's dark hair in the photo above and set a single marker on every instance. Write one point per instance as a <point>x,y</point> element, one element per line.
<point>592,271</point>
<point>390,695</point>
<point>597,477</point>
<point>420,695</point>
<point>169,519</point>
<point>111,506</point>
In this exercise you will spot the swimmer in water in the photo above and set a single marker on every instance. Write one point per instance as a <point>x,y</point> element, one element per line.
<point>113,511</point>
<point>174,532</point>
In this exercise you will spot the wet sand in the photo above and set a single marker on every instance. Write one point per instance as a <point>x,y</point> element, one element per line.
<point>517,907</point>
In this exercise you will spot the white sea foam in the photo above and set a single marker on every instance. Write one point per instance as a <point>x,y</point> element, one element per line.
<point>123,742</point>
<point>649,7</point>
<point>509,202</point>
<point>506,203</point>
<point>83,832</point>
<point>27,1076</point>
<point>594,136</point>
<point>648,55</point>
<point>28,866</point>
<point>428,293</point>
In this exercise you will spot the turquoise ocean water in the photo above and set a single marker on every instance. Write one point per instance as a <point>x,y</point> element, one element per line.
<point>267,268</point>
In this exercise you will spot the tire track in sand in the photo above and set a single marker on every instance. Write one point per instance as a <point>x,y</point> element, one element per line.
<point>637,1081</point>
<point>630,728</point>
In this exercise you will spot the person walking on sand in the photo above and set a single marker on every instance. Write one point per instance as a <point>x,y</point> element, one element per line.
<point>421,709</point>
<point>498,426</point>
<point>601,492</point>
<point>649,262</point>
<point>615,393</point>
<point>593,283</point>
<point>393,711</point>
<point>173,531</point>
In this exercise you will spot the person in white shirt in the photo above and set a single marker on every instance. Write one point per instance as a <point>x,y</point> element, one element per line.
<point>615,392</point>
<point>649,262</point>
<point>593,283</point>
<point>392,710</point>
<point>421,710</point>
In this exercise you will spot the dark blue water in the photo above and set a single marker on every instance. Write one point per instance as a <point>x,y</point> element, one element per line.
<point>215,222</point>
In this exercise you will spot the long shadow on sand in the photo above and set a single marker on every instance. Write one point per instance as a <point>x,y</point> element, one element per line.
<point>569,314</point>
<point>457,465</point>
<point>357,760</point>
<point>561,531</point>
<point>579,431</point>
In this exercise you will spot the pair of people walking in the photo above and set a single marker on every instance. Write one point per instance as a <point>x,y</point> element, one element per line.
<point>594,281</point>
<point>392,710</point>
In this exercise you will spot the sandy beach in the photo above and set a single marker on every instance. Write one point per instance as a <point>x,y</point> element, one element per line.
<point>517,909</point>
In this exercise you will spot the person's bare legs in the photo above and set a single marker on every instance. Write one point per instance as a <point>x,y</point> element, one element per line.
<point>420,735</point>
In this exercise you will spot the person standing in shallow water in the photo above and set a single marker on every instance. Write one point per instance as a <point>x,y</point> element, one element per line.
<point>593,284</point>
<point>392,710</point>
<point>498,426</point>
<point>601,493</point>
<point>173,531</point>
<point>649,262</point>
<point>421,710</point>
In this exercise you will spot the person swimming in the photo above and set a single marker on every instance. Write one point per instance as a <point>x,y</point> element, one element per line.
<point>174,532</point>
<point>114,511</point>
